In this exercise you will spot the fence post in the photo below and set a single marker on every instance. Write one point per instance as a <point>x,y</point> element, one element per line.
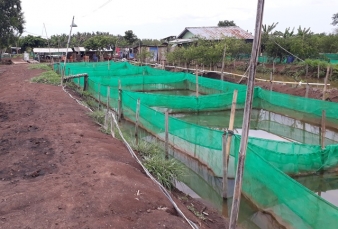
<point>137,120</point>
<point>99,96</point>
<point>318,71</point>
<point>223,58</point>
<point>85,84</point>
<point>271,79</point>
<point>107,112</point>
<point>120,114</point>
<point>112,125</point>
<point>322,130</point>
<point>306,70</point>
<point>225,166</point>
<point>166,134</point>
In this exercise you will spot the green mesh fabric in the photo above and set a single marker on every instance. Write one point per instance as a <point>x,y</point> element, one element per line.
<point>265,181</point>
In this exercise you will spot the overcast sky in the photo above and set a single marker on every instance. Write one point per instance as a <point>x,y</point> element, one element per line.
<point>158,19</point>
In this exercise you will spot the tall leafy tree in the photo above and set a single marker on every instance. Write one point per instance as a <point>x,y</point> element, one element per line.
<point>11,22</point>
<point>29,42</point>
<point>226,23</point>
<point>130,37</point>
<point>335,19</point>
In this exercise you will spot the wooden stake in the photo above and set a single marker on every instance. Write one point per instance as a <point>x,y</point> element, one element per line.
<point>112,125</point>
<point>271,81</point>
<point>108,97</point>
<point>325,81</point>
<point>223,58</point>
<point>318,71</point>
<point>231,123</point>
<point>307,90</point>
<point>306,70</point>
<point>137,120</point>
<point>225,166</point>
<point>108,64</point>
<point>323,129</point>
<point>99,96</point>
<point>246,119</point>
<point>273,66</point>
<point>227,145</point>
<point>166,134</point>
<point>196,82</point>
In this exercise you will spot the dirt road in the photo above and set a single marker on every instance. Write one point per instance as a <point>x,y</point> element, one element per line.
<point>57,170</point>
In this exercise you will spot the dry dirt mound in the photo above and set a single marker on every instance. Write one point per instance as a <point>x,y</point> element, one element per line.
<point>57,170</point>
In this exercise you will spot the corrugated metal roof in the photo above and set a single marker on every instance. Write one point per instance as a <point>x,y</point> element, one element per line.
<point>79,49</point>
<point>47,50</point>
<point>217,33</point>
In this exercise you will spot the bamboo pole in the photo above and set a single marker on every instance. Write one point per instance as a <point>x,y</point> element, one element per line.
<point>222,71</point>
<point>325,82</point>
<point>246,118</point>
<point>196,82</point>
<point>166,134</point>
<point>137,120</point>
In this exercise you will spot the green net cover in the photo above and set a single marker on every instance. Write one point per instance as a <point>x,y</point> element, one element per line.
<point>268,162</point>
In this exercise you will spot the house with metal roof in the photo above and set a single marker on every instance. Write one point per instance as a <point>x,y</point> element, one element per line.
<point>190,34</point>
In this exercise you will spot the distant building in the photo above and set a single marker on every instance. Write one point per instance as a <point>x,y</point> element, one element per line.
<point>190,34</point>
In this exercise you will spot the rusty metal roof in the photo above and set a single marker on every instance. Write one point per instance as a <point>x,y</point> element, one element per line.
<point>217,33</point>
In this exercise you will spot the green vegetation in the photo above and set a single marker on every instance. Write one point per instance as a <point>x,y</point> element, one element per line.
<point>226,23</point>
<point>209,53</point>
<point>40,66</point>
<point>196,213</point>
<point>48,77</point>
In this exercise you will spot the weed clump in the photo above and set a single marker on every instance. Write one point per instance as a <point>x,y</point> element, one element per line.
<point>49,77</point>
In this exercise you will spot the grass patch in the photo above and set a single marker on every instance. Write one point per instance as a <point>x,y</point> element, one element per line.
<point>40,66</point>
<point>98,116</point>
<point>49,77</point>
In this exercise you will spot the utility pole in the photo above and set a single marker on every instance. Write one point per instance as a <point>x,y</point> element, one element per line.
<point>247,114</point>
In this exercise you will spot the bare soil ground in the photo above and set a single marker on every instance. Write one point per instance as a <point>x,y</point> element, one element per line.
<point>57,170</point>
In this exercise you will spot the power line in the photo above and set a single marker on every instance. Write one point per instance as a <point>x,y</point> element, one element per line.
<point>100,7</point>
